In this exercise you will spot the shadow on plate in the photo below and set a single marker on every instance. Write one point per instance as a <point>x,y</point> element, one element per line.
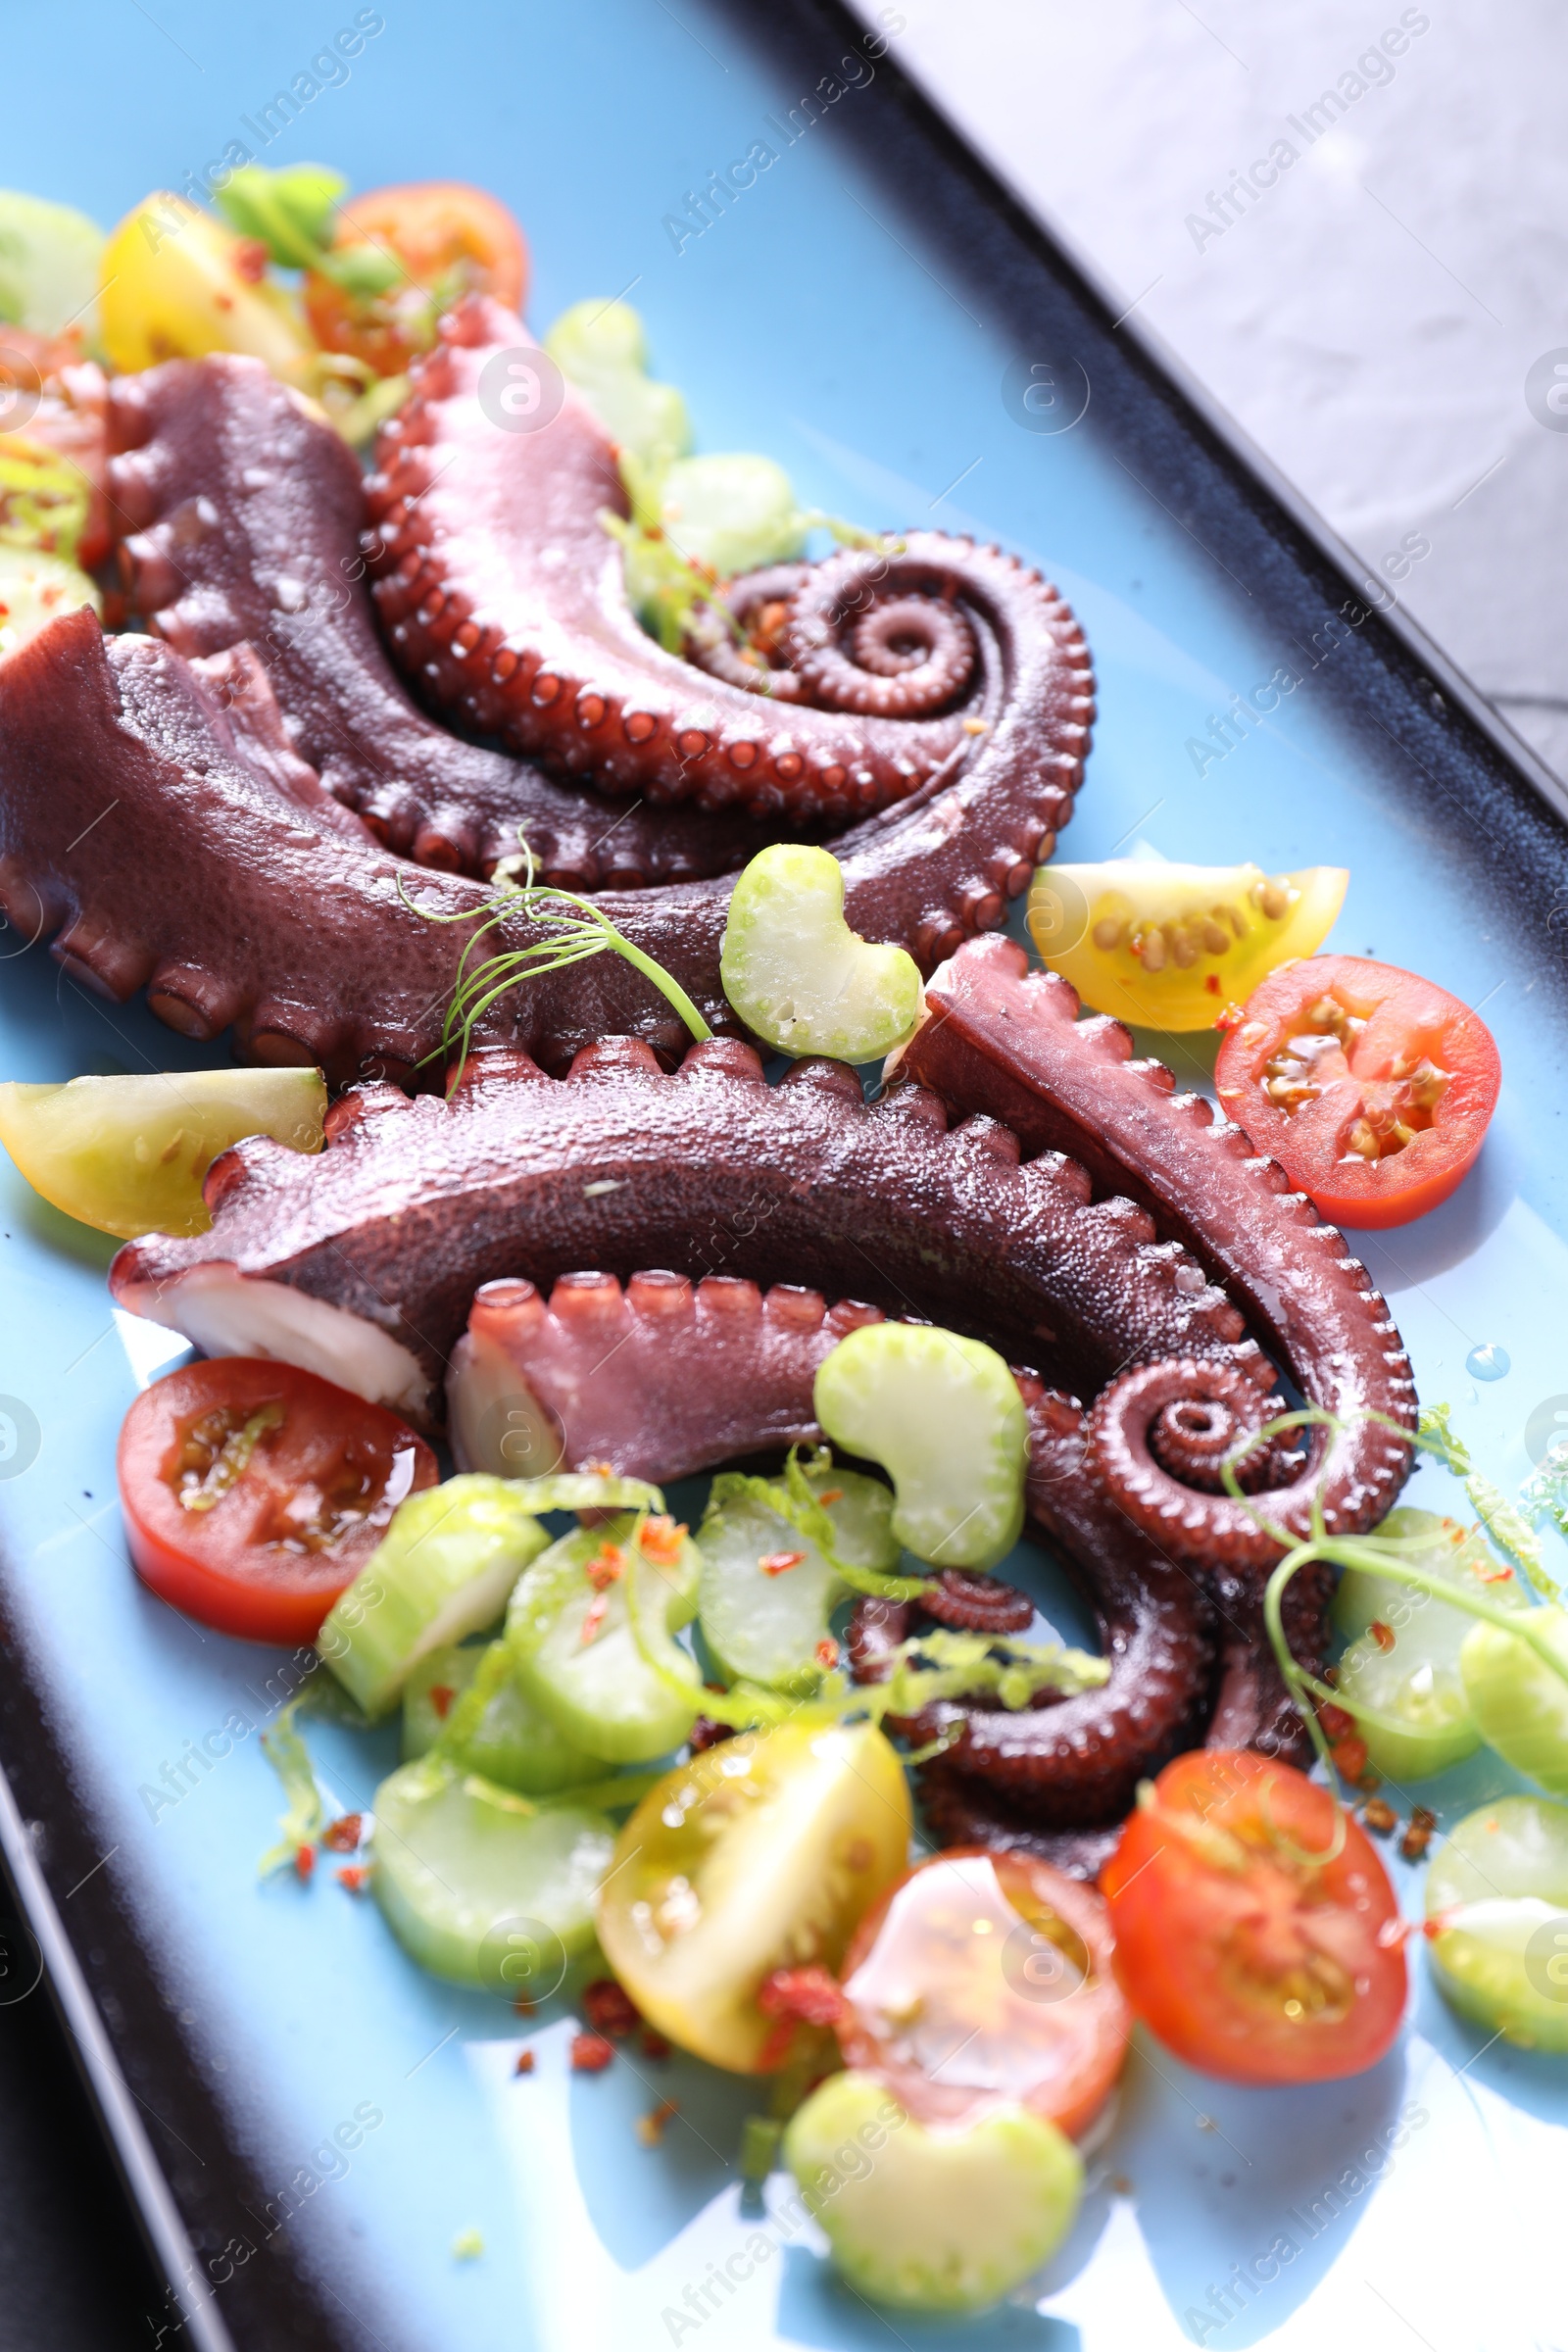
<point>816,2308</point>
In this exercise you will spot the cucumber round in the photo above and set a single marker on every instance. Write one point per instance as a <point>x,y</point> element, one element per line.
<point>799,976</point>
<point>514,1742</point>
<point>49,256</point>
<point>1498,1920</point>
<point>581,1659</point>
<point>944,1417</point>
<point>1519,1701</point>
<point>443,1569</point>
<point>481,1885</point>
<point>932,2219</point>
<point>765,1627</point>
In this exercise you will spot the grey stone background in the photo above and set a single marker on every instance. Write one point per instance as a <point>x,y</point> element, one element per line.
<point>1372,317</point>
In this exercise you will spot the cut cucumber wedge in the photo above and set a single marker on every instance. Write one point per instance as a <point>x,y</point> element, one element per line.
<point>129,1154</point>
<point>590,1629</point>
<point>799,976</point>
<point>444,1569</point>
<point>943,1416</point>
<point>1498,1920</point>
<point>482,1885</point>
<point>932,2219</point>
<point>766,1592</point>
<point>1519,1701</point>
<point>469,1699</point>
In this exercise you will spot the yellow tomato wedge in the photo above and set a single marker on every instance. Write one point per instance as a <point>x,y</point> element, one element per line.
<point>1169,946</point>
<point>129,1154</point>
<point>176,284</point>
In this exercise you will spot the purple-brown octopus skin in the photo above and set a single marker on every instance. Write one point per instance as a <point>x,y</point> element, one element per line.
<point>238,895</point>
<point>505,597</point>
<point>997,1034</point>
<point>242,517</point>
<point>363,1261</point>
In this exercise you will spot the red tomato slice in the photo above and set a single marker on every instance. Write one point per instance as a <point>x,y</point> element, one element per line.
<point>1256,1941</point>
<point>451,238</point>
<point>253,1492</point>
<point>1371,1087</point>
<point>982,1976</point>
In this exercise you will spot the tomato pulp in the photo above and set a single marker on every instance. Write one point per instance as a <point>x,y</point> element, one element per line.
<point>254,1493</point>
<point>982,1976</point>
<point>1371,1087</point>
<point>1257,1932</point>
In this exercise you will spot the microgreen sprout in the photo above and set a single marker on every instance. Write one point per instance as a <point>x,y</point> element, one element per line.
<point>571,929</point>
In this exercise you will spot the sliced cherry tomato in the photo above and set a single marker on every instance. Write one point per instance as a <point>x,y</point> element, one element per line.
<point>254,1493</point>
<point>1371,1087</point>
<point>1257,1932</point>
<point>982,1976</point>
<point>1169,946</point>
<point>450,239</point>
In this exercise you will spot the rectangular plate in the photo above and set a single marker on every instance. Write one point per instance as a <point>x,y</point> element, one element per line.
<point>871,311</point>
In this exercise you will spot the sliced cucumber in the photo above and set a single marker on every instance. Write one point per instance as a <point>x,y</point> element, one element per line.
<point>444,1569</point>
<point>1498,1919</point>
<point>34,590</point>
<point>762,1620</point>
<point>732,512</point>
<point>599,347</point>
<point>590,1630</point>
<point>799,976</point>
<point>469,1699</point>
<point>943,1416</point>
<point>1519,1701</point>
<point>482,1885</point>
<point>932,2219</point>
<point>1439,1548</point>
<point>49,257</point>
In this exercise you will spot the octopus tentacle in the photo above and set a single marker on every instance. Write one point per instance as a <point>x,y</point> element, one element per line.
<point>879,635</point>
<point>244,517</point>
<point>1010,1041</point>
<point>738,634</point>
<point>390,1231</point>
<point>502,593</point>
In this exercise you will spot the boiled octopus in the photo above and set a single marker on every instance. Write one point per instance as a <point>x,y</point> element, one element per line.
<point>272,778</point>
<point>685,1193</point>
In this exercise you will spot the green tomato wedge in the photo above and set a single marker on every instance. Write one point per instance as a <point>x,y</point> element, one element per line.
<point>761,1853</point>
<point>799,976</point>
<point>1402,1666</point>
<point>1498,1920</point>
<point>129,1154</point>
<point>943,1416</point>
<point>1519,1702</point>
<point>601,349</point>
<point>482,1885</point>
<point>48,263</point>
<point>467,1699</point>
<point>932,2219</point>
<point>443,1569</point>
<point>590,1629</point>
<point>35,589</point>
<point>763,1621</point>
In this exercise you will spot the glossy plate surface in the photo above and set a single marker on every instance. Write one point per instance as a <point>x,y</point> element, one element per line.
<point>870,313</point>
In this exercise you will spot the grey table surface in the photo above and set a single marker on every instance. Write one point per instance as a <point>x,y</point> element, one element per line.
<point>1383,316</point>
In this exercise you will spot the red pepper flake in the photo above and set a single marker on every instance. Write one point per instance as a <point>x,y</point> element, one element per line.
<point>249,258</point>
<point>1497,1575</point>
<point>594,1618</point>
<point>441,1696</point>
<point>524,2065</point>
<point>1336,1723</point>
<point>610,2008</point>
<point>606,1567</point>
<point>1380,1817</point>
<point>654,2044</point>
<point>343,1835</point>
<point>1351,1757</point>
<point>651,2127</point>
<point>1418,1835</point>
<point>591,2053</point>
<point>662,1539</point>
<point>705,1732</point>
<point>797,1996</point>
<point>775,1564</point>
<point>826,1653</point>
<point>830,1495</point>
<point>304,1860</point>
<point>1230,1017</point>
<point>1439,1924</point>
<point>524,2007</point>
<point>1212,983</point>
<point>1382,1634</point>
<point>354,1876</point>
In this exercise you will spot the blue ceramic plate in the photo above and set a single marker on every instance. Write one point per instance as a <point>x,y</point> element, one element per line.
<point>309,2121</point>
